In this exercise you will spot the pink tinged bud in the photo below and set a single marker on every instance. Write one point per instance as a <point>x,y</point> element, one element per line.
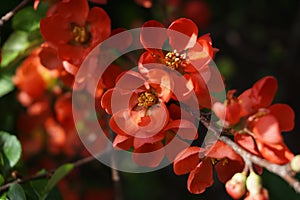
<point>253,183</point>
<point>262,195</point>
<point>236,186</point>
<point>295,164</point>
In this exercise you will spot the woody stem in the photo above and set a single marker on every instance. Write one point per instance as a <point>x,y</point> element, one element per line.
<point>284,171</point>
<point>11,13</point>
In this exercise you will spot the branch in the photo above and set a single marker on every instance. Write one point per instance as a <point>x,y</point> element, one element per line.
<point>284,171</point>
<point>11,13</point>
<point>48,174</point>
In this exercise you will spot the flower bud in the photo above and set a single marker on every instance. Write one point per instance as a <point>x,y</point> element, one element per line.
<point>262,195</point>
<point>295,164</point>
<point>236,186</point>
<point>253,183</point>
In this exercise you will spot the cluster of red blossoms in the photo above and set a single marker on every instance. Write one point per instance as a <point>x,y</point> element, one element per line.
<point>151,115</point>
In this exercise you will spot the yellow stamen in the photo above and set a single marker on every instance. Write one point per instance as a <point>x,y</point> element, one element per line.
<point>80,33</point>
<point>173,59</point>
<point>147,99</point>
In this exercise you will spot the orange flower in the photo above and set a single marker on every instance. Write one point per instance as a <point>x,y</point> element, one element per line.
<point>74,30</point>
<point>189,58</point>
<point>192,160</point>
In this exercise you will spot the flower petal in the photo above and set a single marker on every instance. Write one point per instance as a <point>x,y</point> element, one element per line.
<point>222,150</point>
<point>153,38</point>
<point>265,90</point>
<point>201,177</point>
<point>247,142</point>
<point>260,95</point>
<point>184,129</point>
<point>285,116</point>
<point>149,155</point>
<point>276,153</point>
<point>266,129</point>
<point>227,168</point>
<point>186,160</point>
<point>188,28</point>
<point>99,25</point>
<point>123,142</point>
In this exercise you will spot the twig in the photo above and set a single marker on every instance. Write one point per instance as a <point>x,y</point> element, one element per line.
<point>48,174</point>
<point>11,13</point>
<point>284,171</point>
<point>115,176</point>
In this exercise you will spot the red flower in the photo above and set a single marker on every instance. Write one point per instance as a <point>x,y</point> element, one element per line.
<point>263,120</point>
<point>192,160</point>
<point>189,58</point>
<point>140,116</point>
<point>74,30</point>
<point>32,79</point>
<point>230,111</point>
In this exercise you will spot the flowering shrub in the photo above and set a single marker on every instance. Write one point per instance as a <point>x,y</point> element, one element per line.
<point>80,88</point>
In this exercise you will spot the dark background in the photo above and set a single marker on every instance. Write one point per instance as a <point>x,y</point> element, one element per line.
<point>256,38</point>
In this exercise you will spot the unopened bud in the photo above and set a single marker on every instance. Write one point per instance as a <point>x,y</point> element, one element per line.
<point>295,164</point>
<point>253,183</point>
<point>236,186</point>
<point>262,195</point>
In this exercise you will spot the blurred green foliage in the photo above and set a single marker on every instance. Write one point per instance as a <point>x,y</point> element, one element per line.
<point>255,38</point>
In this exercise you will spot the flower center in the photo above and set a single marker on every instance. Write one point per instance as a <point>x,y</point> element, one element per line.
<point>147,99</point>
<point>173,59</point>
<point>81,35</point>
<point>214,161</point>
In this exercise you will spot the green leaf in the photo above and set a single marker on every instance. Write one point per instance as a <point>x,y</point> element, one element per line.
<point>16,192</point>
<point>4,196</point>
<point>60,173</point>
<point>6,85</point>
<point>26,19</point>
<point>2,180</point>
<point>16,44</point>
<point>10,148</point>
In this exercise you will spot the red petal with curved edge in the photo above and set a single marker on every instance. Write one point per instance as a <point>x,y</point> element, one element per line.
<point>75,11</point>
<point>266,129</point>
<point>123,123</point>
<point>184,129</point>
<point>72,69</point>
<point>123,142</point>
<point>176,112</point>
<point>265,90</point>
<point>153,39</point>
<point>106,101</point>
<point>49,58</point>
<point>149,155</point>
<point>162,82</point>
<point>201,177</point>
<point>227,168</point>
<point>158,118</point>
<point>72,54</point>
<point>173,146</point>
<point>110,75</point>
<point>186,160</point>
<point>247,142</point>
<point>146,61</point>
<point>285,116</point>
<point>188,28</point>
<point>222,150</point>
<point>56,30</point>
<point>130,81</point>
<point>202,53</point>
<point>260,95</point>
<point>138,142</point>
<point>276,153</point>
<point>201,90</point>
<point>99,25</point>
